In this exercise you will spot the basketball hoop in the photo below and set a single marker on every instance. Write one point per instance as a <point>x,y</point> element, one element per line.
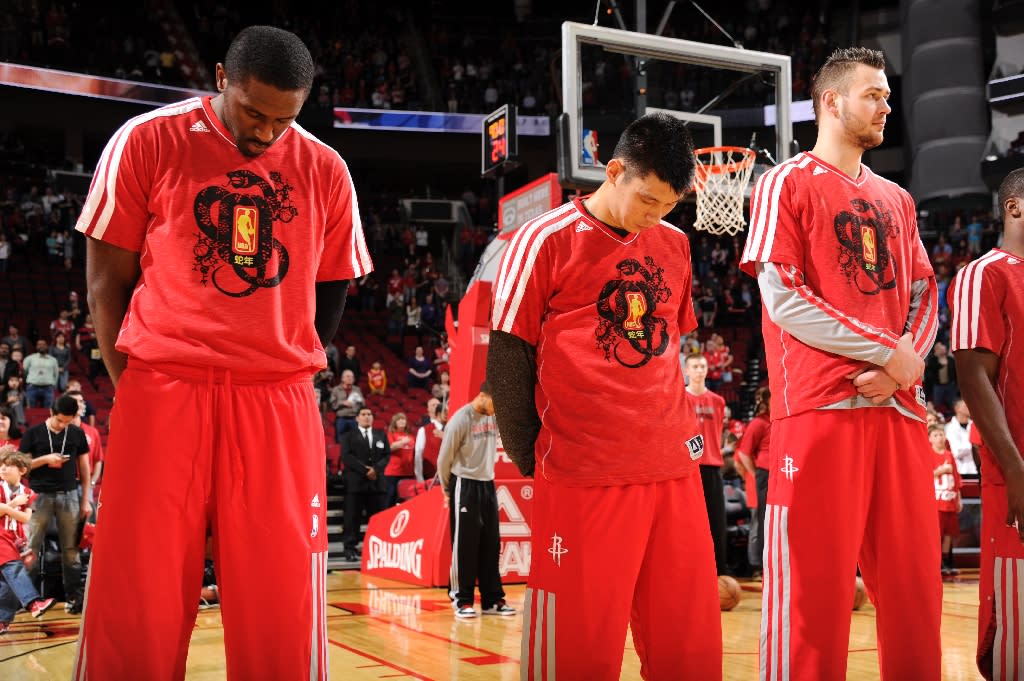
<point>721,176</point>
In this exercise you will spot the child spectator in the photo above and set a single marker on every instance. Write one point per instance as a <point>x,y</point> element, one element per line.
<point>16,588</point>
<point>947,496</point>
<point>14,399</point>
<point>377,379</point>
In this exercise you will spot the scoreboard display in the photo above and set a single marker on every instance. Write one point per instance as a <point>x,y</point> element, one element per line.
<point>499,140</point>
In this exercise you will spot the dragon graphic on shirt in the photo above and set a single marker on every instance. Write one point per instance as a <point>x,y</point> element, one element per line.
<point>864,255</point>
<point>236,233</point>
<point>627,329</point>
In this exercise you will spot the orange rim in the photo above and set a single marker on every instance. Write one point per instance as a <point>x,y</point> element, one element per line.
<point>747,160</point>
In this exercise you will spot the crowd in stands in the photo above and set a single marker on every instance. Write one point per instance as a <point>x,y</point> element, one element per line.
<point>128,44</point>
<point>366,53</point>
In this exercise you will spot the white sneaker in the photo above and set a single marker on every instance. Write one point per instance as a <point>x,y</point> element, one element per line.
<point>499,608</point>
<point>465,612</point>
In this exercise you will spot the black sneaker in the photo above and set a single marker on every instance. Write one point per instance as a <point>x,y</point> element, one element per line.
<point>499,608</point>
<point>73,607</point>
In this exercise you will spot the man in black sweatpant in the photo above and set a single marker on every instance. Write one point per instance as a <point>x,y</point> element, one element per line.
<point>466,467</point>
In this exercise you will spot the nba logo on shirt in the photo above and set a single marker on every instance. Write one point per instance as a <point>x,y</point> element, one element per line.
<point>243,240</point>
<point>868,246</point>
<point>637,306</point>
<point>696,446</point>
<point>920,396</point>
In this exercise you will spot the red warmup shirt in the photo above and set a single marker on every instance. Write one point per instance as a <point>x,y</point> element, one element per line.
<point>11,531</point>
<point>710,411</point>
<point>230,246</point>
<point>947,485</point>
<point>987,302</point>
<point>605,313</point>
<point>857,244</point>
<point>756,441</point>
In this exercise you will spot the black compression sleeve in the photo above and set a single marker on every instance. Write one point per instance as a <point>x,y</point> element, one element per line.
<point>330,305</point>
<point>512,375</point>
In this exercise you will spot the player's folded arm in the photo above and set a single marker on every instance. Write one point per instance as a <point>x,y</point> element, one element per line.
<point>512,375</point>
<point>800,311</point>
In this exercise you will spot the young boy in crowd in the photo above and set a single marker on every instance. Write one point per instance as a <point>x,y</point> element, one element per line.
<point>947,496</point>
<point>376,379</point>
<point>16,588</point>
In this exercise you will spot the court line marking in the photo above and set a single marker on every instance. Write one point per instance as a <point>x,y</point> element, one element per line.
<point>406,672</point>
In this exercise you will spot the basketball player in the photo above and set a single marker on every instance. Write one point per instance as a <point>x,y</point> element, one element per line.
<point>709,408</point>
<point>849,297</point>
<point>986,297</point>
<point>212,333</point>
<point>589,306</point>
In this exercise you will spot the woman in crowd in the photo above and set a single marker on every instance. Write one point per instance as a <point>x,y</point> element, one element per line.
<point>400,465</point>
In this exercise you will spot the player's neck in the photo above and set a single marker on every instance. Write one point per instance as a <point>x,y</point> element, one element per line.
<point>597,205</point>
<point>217,104</point>
<point>1013,243</point>
<point>697,388</point>
<point>939,451</point>
<point>844,157</point>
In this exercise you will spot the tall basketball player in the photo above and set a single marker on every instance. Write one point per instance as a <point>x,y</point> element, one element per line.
<point>849,298</point>
<point>987,299</point>
<point>221,238</point>
<point>589,306</point>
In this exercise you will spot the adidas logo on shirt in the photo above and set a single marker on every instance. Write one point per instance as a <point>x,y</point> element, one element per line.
<point>199,126</point>
<point>818,170</point>
<point>583,227</point>
<point>316,501</point>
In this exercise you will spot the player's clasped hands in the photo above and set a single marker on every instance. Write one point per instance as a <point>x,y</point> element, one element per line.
<point>902,370</point>
<point>905,366</point>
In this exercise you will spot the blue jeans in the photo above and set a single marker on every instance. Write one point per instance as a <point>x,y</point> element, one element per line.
<point>16,590</point>
<point>64,505</point>
<point>39,392</point>
<point>342,425</point>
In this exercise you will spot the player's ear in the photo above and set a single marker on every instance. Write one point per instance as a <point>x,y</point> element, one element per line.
<point>221,77</point>
<point>1013,207</point>
<point>829,102</point>
<point>614,170</point>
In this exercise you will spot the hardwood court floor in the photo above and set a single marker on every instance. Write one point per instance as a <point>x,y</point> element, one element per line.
<point>387,630</point>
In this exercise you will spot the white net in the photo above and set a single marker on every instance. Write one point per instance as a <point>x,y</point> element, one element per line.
<point>720,180</point>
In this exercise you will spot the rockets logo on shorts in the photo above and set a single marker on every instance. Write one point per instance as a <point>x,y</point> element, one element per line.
<point>557,550</point>
<point>236,233</point>
<point>627,329</point>
<point>696,446</point>
<point>864,255</point>
<point>788,469</point>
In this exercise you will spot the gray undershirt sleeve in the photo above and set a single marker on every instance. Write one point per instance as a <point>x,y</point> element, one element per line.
<point>815,323</point>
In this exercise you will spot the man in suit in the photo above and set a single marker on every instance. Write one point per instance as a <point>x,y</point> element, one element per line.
<point>365,452</point>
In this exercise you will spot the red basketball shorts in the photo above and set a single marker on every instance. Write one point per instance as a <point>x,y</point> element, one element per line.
<point>1001,590</point>
<point>850,486</point>
<point>192,448</point>
<point>949,524</point>
<point>605,557</point>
